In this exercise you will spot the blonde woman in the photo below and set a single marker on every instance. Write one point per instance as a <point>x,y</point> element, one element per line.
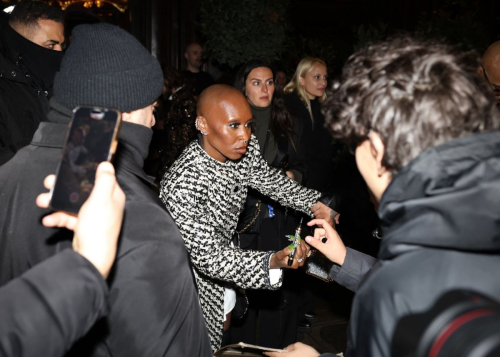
<point>303,96</point>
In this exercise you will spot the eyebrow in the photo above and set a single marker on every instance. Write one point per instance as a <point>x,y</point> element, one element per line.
<point>258,79</point>
<point>53,42</point>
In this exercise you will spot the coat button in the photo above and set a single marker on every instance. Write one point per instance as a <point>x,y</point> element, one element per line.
<point>28,75</point>
<point>13,73</point>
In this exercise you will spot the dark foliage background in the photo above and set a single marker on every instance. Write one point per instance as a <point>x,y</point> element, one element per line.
<point>284,31</point>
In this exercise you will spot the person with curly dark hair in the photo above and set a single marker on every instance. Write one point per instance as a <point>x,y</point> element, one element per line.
<point>271,318</point>
<point>424,127</point>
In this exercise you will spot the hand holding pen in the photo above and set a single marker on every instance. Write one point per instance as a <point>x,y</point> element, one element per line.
<point>295,243</point>
<point>280,259</point>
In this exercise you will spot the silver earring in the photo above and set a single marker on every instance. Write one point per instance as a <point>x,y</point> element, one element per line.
<point>204,133</point>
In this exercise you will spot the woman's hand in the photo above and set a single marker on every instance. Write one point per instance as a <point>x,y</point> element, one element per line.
<point>280,259</point>
<point>327,241</point>
<point>321,211</point>
<point>297,349</point>
<point>290,174</point>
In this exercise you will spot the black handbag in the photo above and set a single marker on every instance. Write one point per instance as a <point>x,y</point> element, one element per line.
<point>254,211</point>
<point>241,306</point>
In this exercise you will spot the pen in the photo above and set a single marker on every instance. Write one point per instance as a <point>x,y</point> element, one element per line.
<point>296,242</point>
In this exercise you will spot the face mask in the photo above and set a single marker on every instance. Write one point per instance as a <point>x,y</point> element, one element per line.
<point>41,62</point>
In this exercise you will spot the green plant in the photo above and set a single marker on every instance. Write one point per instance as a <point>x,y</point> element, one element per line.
<point>241,30</point>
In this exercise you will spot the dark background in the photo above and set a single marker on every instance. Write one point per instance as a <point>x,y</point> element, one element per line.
<point>335,27</point>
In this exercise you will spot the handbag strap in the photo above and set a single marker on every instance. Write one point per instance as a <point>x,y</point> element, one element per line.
<point>258,205</point>
<point>266,143</point>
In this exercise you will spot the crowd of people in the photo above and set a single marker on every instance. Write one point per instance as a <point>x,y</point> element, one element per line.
<point>184,243</point>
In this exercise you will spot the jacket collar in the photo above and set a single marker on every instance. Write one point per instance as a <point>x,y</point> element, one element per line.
<point>446,198</point>
<point>133,149</point>
<point>8,58</point>
<point>133,145</point>
<point>50,135</point>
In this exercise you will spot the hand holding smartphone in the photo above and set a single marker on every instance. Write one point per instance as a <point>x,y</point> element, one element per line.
<point>92,138</point>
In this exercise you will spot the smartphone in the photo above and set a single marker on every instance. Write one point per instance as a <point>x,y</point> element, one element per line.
<point>92,138</point>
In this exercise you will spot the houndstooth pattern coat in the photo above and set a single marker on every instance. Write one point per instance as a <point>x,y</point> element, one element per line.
<point>205,198</point>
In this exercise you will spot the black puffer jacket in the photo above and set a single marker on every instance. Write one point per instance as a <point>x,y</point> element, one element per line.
<point>441,223</point>
<point>23,101</point>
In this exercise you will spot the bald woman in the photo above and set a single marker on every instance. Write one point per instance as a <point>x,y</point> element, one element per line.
<point>205,190</point>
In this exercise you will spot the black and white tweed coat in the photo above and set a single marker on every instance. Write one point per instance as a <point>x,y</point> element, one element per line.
<point>205,198</point>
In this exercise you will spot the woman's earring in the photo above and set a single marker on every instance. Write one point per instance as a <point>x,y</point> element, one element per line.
<point>197,125</point>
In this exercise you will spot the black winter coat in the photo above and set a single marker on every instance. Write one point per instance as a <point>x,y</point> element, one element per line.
<point>76,294</point>
<point>23,104</point>
<point>317,142</point>
<point>441,231</point>
<point>154,306</point>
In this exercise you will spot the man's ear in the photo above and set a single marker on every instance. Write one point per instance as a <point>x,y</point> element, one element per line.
<point>185,55</point>
<point>480,71</point>
<point>378,151</point>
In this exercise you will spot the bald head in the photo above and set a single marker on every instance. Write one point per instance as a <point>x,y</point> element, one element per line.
<point>219,96</point>
<point>193,46</point>
<point>194,57</point>
<point>224,118</point>
<point>491,63</point>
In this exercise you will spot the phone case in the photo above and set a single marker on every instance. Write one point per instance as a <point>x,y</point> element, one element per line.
<point>91,139</point>
<point>319,266</point>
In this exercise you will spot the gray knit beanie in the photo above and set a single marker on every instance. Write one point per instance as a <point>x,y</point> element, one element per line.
<point>106,66</point>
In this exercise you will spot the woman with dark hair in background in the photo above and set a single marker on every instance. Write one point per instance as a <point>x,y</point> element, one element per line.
<point>271,318</point>
<point>281,80</point>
